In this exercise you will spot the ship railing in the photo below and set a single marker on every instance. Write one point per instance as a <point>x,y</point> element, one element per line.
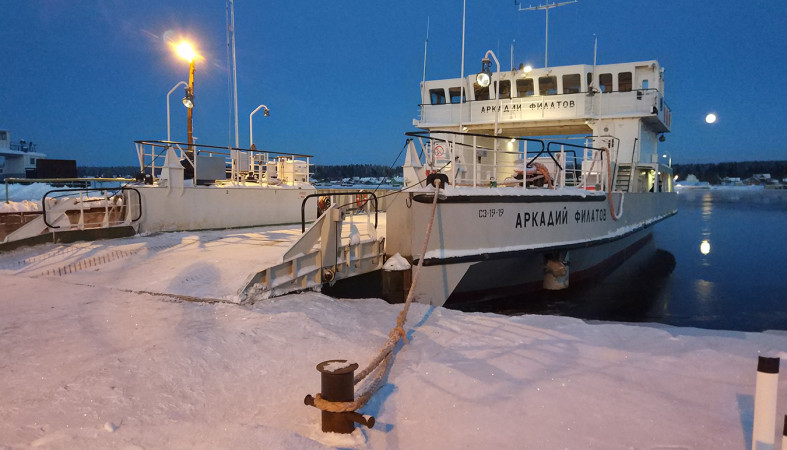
<point>87,208</point>
<point>211,164</point>
<point>477,160</point>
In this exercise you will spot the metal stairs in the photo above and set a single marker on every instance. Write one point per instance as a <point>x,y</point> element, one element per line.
<point>330,250</point>
<point>622,178</point>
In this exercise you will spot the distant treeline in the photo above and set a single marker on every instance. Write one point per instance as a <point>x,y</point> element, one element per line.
<point>713,173</point>
<point>354,170</point>
<point>318,172</point>
<point>108,172</point>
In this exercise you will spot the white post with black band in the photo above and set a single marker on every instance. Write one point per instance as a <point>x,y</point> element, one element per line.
<point>764,433</point>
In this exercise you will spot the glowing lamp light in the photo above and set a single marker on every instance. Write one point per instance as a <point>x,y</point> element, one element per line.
<point>188,100</point>
<point>185,51</point>
<point>705,247</point>
<point>710,118</point>
<point>484,77</point>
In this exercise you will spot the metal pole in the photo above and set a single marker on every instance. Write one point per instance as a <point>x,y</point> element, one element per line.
<point>234,68</point>
<point>546,42</point>
<point>168,94</point>
<point>189,111</point>
<point>462,71</point>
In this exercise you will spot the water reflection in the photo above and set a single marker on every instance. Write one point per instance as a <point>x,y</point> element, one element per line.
<point>705,247</point>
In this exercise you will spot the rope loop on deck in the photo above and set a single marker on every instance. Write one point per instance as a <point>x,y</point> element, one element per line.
<point>618,215</point>
<point>382,362</point>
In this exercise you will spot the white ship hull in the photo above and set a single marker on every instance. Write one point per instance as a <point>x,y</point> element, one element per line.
<point>487,244</point>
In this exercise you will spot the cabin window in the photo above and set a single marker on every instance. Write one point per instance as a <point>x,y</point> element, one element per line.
<point>524,87</point>
<point>547,85</point>
<point>605,82</point>
<point>32,161</point>
<point>505,89</point>
<point>457,96</point>
<point>3,136</point>
<point>437,96</point>
<point>624,81</point>
<point>481,93</point>
<point>572,84</point>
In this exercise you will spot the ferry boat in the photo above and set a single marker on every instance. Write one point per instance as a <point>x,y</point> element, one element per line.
<point>518,212</point>
<point>17,158</point>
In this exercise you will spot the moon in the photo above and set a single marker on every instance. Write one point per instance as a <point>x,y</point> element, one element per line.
<point>710,118</point>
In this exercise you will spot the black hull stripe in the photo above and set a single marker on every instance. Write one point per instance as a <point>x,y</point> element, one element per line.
<point>599,270</point>
<point>515,253</point>
<point>427,198</point>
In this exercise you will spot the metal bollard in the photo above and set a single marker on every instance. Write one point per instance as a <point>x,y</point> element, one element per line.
<point>337,386</point>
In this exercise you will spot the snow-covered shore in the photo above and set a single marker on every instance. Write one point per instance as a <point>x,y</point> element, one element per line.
<point>92,359</point>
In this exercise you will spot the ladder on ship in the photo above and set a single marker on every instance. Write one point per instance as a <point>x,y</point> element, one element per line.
<point>623,178</point>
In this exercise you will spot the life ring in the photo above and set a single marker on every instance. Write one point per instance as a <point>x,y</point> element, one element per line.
<point>360,199</point>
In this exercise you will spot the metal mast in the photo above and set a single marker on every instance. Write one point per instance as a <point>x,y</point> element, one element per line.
<point>233,69</point>
<point>546,7</point>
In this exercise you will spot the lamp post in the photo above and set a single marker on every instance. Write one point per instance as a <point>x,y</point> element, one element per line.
<point>251,128</point>
<point>183,83</point>
<point>669,158</point>
<point>186,51</point>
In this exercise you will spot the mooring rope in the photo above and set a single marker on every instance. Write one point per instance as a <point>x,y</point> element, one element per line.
<point>615,216</point>
<point>382,362</point>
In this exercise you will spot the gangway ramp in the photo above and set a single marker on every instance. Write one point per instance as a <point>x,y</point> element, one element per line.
<point>338,245</point>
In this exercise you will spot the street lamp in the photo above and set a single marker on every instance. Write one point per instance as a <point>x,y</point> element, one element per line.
<point>669,158</point>
<point>183,83</point>
<point>186,51</point>
<point>251,128</point>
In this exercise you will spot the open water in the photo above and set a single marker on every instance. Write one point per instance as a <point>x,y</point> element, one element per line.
<point>720,263</point>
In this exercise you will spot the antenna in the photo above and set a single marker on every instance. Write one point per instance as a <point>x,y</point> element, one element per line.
<point>426,43</point>
<point>546,7</point>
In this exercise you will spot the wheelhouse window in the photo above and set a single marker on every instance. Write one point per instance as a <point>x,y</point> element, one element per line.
<point>547,85</point>
<point>456,95</point>
<point>605,82</point>
<point>524,87</point>
<point>624,81</point>
<point>481,93</point>
<point>437,96</point>
<point>572,84</point>
<point>505,89</point>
